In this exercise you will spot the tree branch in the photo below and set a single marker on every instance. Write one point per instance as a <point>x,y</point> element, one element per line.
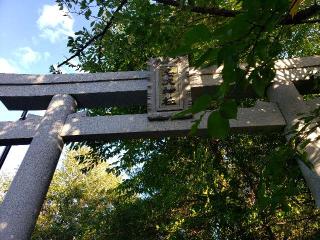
<point>299,18</point>
<point>204,10</point>
<point>95,37</point>
<point>302,17</point>
<point>311,21</point>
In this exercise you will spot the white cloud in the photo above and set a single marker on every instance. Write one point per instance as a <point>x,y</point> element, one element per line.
<point>46,55</point>
<point>23,59</point>
<point>54,23</point>
<point>27,56</point>
<point>7,67</point>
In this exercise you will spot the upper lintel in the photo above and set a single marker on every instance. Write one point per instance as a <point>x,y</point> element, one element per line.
<point>33,92</point>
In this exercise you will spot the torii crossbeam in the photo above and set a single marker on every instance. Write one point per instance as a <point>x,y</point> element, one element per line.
<point>60,94</point>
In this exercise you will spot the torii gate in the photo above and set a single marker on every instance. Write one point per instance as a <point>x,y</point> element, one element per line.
<point>168,87</point>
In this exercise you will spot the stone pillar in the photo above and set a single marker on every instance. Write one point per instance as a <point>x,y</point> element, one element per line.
<point>23,201</point>
<point>291,104</point>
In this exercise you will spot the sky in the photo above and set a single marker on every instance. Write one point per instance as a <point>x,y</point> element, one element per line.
<point>33,36</point>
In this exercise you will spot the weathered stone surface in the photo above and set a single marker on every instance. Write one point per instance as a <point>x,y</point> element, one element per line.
<point>22,203</point>
<point>21,206</point>
<point>34,79</point>
<point>33,92</point>
<point>291,105</point>
<point>95,94</point>
<point>168,88</point>
<point>298,62</point>
<point>263,117</point>
<point>18,132</point>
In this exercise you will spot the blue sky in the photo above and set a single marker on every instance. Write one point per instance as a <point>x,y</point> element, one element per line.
<point>33,36</point>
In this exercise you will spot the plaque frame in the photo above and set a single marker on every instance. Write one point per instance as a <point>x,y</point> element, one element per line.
<point>161,105</point>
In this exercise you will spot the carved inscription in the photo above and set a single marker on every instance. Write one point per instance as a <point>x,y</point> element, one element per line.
<point>169,89</point>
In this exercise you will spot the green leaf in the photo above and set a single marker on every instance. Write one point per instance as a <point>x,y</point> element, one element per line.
<point>226,56</point>
<point>199,33</point>
<point>182,3</point>
<point>261,49</point>
<point>182,114</point>
<point>87,14</point>
<point>207,58</point>
<point>233,74</point>
<point>236,29</point>
<point>275,49</point>
<point>201,103</point>
<point>223,90</point>
<point>261,78</point>
<point>83,5</point>
<point>250,5</point>
<point>100,12</point>
<point>218,126</point>
<point>259,86</point>
<point>179,51</point>
<point>229,109</point>
<point>194,127</point>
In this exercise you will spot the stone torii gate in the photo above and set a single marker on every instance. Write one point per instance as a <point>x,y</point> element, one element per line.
<point>168,87</point>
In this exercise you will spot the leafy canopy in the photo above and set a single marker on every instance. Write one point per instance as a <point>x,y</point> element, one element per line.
<point>237,187</point>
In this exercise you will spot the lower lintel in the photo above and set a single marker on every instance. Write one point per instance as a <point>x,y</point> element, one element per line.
<point>263,117</point>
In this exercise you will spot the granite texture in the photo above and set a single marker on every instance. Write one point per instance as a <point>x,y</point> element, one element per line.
<point>19,132</point>
<point>34,92</point>
<point>291,105</point>
<point>263,117</point>
<point>23,201</point>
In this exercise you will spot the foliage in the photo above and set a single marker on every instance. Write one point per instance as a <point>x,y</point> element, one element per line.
<point>78,205</point>
<point>238,187</point>
<point>258,33</point>
<point>200,188</point>
<point>190,188</point>
<point>5,181</point>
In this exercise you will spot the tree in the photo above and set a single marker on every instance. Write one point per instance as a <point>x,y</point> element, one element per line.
<point>224,33</point>
<point>198,188</point>
<point>191,188</point>
<point>78,205</point>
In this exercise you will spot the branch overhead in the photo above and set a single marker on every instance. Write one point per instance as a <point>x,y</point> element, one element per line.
<point>204,10</point>
<point>301,17</point>
<point>95,37</point>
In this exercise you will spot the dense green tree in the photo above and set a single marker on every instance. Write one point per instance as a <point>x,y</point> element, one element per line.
<point>77,205</point>
<point>199,188</point>
<point>217,32</point>
<point>240,187</point>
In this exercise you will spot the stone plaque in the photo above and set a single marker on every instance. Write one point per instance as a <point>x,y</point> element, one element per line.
<point>169,88</point>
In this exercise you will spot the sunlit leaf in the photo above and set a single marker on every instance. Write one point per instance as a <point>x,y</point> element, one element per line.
<point>229,109</point>
<point>218,126</point>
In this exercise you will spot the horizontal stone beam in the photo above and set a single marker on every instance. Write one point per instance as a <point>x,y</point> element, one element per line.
<point>263,117</point>
<point>19,132</point>
<point>34,79</point>
<point>34,92</point>
<point>297,70</point>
